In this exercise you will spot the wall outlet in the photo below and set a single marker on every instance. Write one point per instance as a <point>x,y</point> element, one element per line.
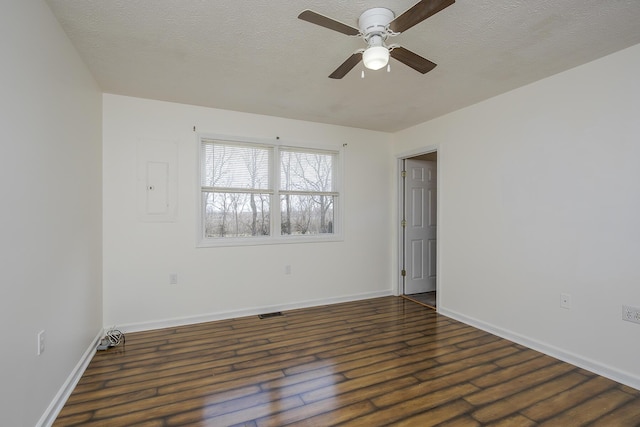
<point>40,342</point>
<point>173,278</point>
<point>630,314</point>
<point>287,269</point>
<point>565,301</point>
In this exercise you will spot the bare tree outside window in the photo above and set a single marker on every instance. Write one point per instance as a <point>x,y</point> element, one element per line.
<point>237,188</point>
<point>240,183</point>
<point>307,199</point>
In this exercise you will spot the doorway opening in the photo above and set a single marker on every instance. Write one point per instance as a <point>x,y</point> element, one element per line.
<point>418,228</point>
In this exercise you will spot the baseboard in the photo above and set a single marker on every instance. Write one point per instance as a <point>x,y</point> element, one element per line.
<point>253,311</point>
<point>550,350</point>
<point>63,394</point>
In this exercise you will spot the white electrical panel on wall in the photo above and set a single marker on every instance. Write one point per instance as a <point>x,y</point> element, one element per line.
<point>157,181</point>
<point>157,188</point>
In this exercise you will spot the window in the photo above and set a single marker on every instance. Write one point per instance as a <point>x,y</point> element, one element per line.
<point>266,193</point>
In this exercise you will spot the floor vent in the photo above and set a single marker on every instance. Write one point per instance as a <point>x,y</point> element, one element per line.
<point>268,315</point>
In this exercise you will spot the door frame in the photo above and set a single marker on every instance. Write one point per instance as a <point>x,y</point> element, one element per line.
<point>400,211</point>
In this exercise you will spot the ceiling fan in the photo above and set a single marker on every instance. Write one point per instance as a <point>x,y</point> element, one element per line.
<point>375,27</point>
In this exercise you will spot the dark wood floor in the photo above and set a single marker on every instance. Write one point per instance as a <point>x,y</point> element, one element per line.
<point>380,362</point>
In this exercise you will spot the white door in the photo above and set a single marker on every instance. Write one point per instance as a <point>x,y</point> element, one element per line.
<point>420,230</point>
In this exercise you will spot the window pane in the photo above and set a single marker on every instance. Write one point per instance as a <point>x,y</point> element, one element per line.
<point>236,214</point>
<point>310,171</point>
<point>306,214</point>
<point>233,166</point>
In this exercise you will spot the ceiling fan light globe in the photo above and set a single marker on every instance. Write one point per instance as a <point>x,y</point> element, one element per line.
<point>375,57</point>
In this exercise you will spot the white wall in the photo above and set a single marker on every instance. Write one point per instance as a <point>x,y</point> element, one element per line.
<point>540,195</point>
<point>50,183</point>
<point>219,282</point>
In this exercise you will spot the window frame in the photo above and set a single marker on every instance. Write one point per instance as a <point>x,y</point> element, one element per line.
<point>275,208</point>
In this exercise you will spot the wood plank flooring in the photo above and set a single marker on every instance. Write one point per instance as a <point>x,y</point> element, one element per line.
<point>379,362</point>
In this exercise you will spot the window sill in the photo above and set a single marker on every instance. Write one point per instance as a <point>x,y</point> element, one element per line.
<point>252,241</point>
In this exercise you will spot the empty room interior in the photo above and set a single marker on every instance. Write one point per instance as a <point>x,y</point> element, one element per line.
<point>174,169</point>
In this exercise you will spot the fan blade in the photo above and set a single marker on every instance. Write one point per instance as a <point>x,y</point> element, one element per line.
<point>346,66</point>
<point>418,13</point>
<point>324,21</point>
<point>413,60</point>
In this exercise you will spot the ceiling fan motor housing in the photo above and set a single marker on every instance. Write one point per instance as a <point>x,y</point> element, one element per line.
<point>375,22</point>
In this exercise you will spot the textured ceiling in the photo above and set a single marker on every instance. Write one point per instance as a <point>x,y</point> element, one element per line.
<point>257,57</point>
